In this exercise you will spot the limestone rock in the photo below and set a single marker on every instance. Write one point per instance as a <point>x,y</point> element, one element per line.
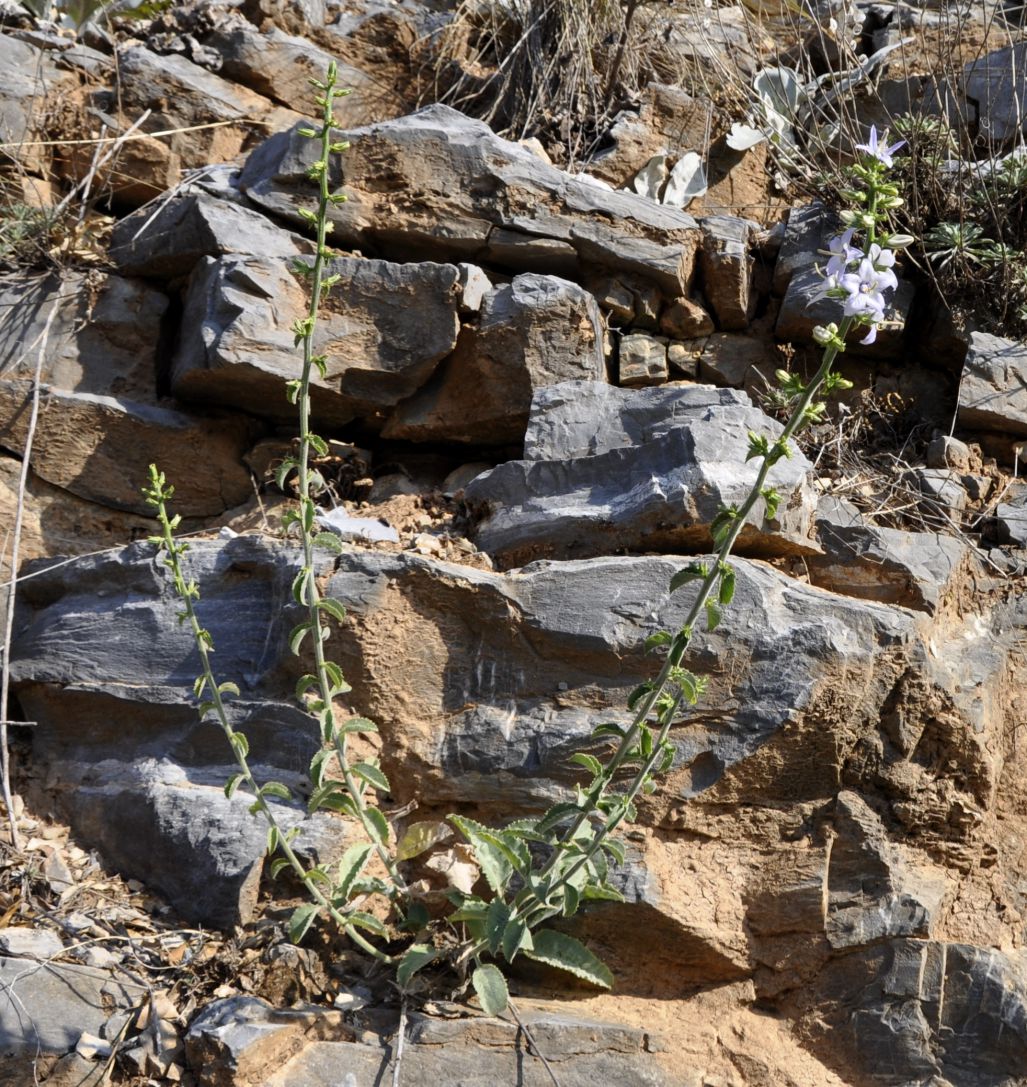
<point>994,90</point>
<point>643,470</point>
<point>944,495</point>
<point>532,333</point>
<point>170,242</point>
<point>384,329</point>
<point>641,360</point>
<point>181,94</point>
<point>280,66</point>
<point>913,569</point>
<point>993,389</point>
<point>727,270</point>
<point>736,361</point>
<point>685,319</point>
<point>44,1009</point>
<point>453,183</point>
<point>28,81</point>
<point>807,232</point>
<point>1011,519</point>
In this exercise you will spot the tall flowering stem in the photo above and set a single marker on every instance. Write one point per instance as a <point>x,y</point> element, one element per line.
<point>858,276</point>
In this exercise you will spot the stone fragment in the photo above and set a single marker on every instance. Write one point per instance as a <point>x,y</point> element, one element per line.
<point>44,1009</point>
<point>30,943</point>
<point>474,286</point>
<point>100,448</point>
<point>683,359</point>
<point>293,16</point>
<point>802,310</point>
<point>808,231</point>
<point>478,184</point>
<point>103,336</point>
<point>926,1011</point>
<point>730,359</point>
<point>668,120</point>
<point>944,495</point>
<point>1010,519</point>
<point>614,298</point>
<point>726,267</point>
<point>533,332</point>
<point>685,319</point>
<point>280,67</point>
<point>641,360</point>
<point>384,329</point>
<point>993,389</point>
<point>648,469</point>
<point>994,90</point>
<point>169,243</point>
<point>912,569</point>
<point>28,82</point>
<point>182,95</point>
<point>947,452</point>
<point>873,893</point>
<point>647,304</point>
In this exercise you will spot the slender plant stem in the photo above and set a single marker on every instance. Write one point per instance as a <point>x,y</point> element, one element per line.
<point>217,704</point>
<point>305,479</point>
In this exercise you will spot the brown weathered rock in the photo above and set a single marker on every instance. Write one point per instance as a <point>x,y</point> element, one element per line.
<point>181,94</point>
<point>30,85</point>
<point>641,360</point>
<point>733,360</point>
<point>685,319</point>
<point>453,183</point>
<point>726,267</point>
<point>531,333</point>
<point>384,328</point>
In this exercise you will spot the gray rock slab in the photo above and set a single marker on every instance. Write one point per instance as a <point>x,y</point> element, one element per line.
<point>995,94</point>
<point>45,1008</point>
<point>641,360</point>
<point>727,267</point>
<point>659,491</point>
<point>101,333</point>
<point>913,569</point>
<point>482,1052</point>
<point>872,891</point>
<point>30,943</point>
<point>909,1010</point>
<point>384,328</point>
<point>993,388</point>
<point>453,183</point>
<point>28,81</point>
<point>100,448</point>
<point>807,233</point>
<point>801,311</point>
<point>281,66</point>
<point>183,95</point>
<point>532,333</point>
<point>170,242</point>
<point>1011,519</point>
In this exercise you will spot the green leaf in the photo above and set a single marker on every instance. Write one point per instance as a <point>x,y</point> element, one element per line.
<point>727,586</point>
<point>590,762</point>
<point>282,472</point>
<point>615,847</point>
<point>414,958</point>
<point>516,937</point>
<point>328,541</point>
<point>565,953</point>
<point>495,866</point>
<point>571,900</point>
<point>304,684</point>
<point>380,824</point>
<point>593,892</point>
<point>557,814</point>
<point>318,444</point>
<point>470,909</point>
<point>350,867</point>
<point>372,775</point>
<point>496,921</point>
<point>232,784</point>
<point>692,572</point>
<point>240,744</point>
<point>358,724</point>
<point>228,688</point>
<point>299,632</point>
<point>301,920</point>
<point>661,637</point>
<point>418,838</point>
<point>324,795</point>
<point>712,615</point>
<point>638,694</point>
<point>367,921</point>
<point>278,864</point>
<point>275,788</point>
<point>333,607</point>
<point>490,985</point>
<point>273,839</point>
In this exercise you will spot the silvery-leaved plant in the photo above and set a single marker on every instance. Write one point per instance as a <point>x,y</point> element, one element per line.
<point>534,869</point>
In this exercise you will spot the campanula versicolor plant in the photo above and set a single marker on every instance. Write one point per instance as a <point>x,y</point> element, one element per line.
<point>533,869</point>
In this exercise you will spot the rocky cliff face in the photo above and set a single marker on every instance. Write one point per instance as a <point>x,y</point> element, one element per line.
<point>538,393</point>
